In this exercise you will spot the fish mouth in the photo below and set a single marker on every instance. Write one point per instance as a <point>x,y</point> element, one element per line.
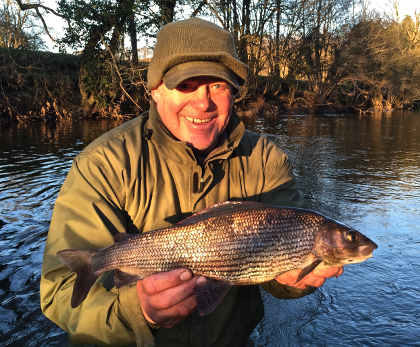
<point>353,255</point>
<point>366,250</point>
<point>360,253</point>
<point>355,260</point>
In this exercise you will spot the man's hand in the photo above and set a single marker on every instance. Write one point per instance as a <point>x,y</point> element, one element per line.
<point>316,278</point>
<point>167,298</point>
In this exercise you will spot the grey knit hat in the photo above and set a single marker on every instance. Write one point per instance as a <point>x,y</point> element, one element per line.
<point>191,48</point>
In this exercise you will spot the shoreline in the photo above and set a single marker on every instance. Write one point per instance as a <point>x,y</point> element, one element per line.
<point>45,86</point>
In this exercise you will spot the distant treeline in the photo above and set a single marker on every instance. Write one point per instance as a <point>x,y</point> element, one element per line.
<point>304,56</point>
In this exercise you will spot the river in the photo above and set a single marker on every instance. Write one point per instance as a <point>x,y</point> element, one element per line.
<point>361,170</point>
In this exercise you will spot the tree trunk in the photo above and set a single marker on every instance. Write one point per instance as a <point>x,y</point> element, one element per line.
<point>167,11</point>
<point>277,40</point>
<point>132,31</point>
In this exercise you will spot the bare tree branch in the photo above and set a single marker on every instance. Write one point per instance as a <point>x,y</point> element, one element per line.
<point>214,11</point>
<point>199,8</point>
<point>36,7</point>
<point>117,70</point>
<point>25,7</point>
<point>44,24</point>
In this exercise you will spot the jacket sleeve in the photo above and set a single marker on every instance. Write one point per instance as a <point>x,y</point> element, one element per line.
<point>87,212</point>
<point>280,188</point>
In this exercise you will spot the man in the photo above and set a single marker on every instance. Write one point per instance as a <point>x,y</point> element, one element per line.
<point>188,153</point>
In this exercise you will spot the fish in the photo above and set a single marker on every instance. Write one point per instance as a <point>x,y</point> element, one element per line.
<point>232,243</point>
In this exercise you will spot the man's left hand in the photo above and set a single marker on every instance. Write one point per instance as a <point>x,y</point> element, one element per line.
<point>316,278</point>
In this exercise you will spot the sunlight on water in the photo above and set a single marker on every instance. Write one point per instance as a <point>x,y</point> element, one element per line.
<point>364,172</point>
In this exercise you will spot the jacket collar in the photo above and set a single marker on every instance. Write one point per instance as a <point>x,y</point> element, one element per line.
<point>174,149</point>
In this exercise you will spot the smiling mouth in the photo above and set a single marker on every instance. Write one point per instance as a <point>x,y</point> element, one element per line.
<point>198,120</point>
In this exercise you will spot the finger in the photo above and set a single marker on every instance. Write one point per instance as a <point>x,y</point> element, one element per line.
<point>289,277</point>
<point>165,317</point>
<point>315,279</point>
<point>164,280</point>
<point>318,277</point>
<point>329,271</point>
<point>310,280</point>
<point>172,296</point>
<point>169,317</point>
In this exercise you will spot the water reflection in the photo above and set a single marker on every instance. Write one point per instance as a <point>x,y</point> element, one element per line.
<point>33,163</point>
<point>364,171</point>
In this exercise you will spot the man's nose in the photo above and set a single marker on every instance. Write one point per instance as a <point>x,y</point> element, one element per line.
<point>202,98</point>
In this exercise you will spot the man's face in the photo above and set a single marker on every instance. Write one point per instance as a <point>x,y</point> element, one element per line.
<point>197,111</point>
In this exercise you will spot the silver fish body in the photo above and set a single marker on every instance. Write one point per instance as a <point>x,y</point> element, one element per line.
<point>239,243</point>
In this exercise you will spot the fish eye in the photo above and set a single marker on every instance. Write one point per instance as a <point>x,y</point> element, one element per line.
<point>349,236</point>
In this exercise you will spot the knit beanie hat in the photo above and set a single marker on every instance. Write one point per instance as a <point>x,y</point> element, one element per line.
<point>191,48</point>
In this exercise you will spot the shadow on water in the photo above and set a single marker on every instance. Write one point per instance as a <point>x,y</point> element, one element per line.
<point>363,171</point>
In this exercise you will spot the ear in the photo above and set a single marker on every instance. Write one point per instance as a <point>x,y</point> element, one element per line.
<point>156,94</point>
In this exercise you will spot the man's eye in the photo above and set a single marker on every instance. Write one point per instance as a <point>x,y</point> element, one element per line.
<point>186,87</point>
<point>219,86</point>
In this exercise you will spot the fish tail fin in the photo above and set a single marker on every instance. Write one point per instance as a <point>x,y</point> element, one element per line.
<point>80,262</point>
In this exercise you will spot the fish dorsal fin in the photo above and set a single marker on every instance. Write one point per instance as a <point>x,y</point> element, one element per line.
<point>218,209</point>
<point>120,237</point>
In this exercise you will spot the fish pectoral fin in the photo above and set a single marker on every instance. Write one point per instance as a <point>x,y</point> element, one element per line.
<point>308,269</point>
<point>209,295</point>
<point>123,278</point>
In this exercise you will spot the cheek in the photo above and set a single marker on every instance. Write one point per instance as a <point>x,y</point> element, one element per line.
<point>168,110</point>
<point>224,104</point>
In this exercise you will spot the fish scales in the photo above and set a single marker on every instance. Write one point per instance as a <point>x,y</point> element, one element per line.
<point>236,243</point>
<point>242,247</point>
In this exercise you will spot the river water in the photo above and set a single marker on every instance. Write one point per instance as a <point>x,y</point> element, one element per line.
<point>363,171</point>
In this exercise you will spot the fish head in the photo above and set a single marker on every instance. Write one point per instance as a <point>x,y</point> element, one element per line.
<point>337,244</point>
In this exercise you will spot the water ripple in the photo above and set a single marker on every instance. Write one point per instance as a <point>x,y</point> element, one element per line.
<point>363,172</point>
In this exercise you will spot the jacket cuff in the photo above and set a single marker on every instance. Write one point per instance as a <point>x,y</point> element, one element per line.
<point>282,291</point>
<point>132,314</point>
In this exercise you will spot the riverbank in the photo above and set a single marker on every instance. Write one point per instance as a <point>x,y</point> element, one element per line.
<point>38,85</point>
<point>45,86</point>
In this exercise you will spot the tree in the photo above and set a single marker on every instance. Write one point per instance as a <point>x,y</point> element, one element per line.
<point>383,64</point>
<point>18,29</point>
<point>319,38</point>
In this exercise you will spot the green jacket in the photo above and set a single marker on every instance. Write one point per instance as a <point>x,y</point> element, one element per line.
<point>136,178</point>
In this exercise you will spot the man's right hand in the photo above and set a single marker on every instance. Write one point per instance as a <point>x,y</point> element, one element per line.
<point>166,298</point>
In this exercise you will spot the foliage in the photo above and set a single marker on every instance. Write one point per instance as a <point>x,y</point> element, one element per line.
<point>383,63</point>
<point>38,85</point>
<point>98,28</point>
<point>111,90</point>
